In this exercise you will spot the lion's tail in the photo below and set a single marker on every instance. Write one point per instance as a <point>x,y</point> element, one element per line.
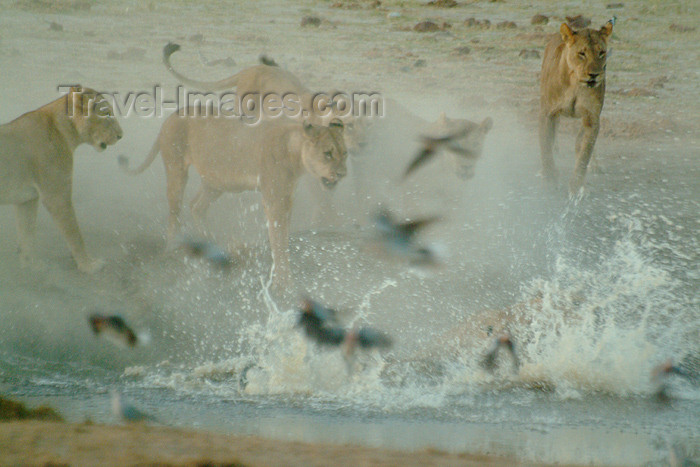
<point>124,161</point>
<point>226,83</point>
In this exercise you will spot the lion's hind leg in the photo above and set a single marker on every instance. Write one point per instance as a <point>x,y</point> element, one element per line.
<point>200,205</point>
<point>26,214</point>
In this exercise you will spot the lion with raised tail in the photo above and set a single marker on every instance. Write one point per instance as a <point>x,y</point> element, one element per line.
<point>573,85</point>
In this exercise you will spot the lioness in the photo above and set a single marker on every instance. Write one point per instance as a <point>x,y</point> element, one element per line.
<point>36,163</point>
<point>573,84</point>
<point>233,156</point>
<point>268,78</point>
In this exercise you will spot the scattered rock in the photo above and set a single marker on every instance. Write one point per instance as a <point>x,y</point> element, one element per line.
<point>506,25</point>
<point>464,50</point>
<point>613,6</point>
<point>635,92</point>
<point>529,53</point>
<point>445,25</point>
<point>12,410</point>
<point>420,63</point>
<point>393,14</point>
<point>197,38</point>
<point>539,19</point>
<point>55,26</point>
<point>443,3</point>
<point>578,21</point>
<point>658,82</point>
<point>426,26</point>
<point>680,28</point>
<point>132,53</point>
<point>473,22</point>
<point>314,21</point>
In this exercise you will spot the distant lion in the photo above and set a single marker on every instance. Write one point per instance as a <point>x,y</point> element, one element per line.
<point>36,163</point>
<point>573,85</point>
<point>233,156</point>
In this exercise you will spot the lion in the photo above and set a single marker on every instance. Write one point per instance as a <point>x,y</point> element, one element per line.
<point>36,163</point>
<point>269,78</point>
<point>573,85</point>
<point>233,156</point>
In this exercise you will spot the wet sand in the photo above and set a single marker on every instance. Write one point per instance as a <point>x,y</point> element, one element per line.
<point>46,443</point>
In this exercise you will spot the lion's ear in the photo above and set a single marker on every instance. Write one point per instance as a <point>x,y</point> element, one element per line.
<point>606,30</point>
<point>311,130</point>
<point>337,124</point>
<point>567,35</point>
<point>487,124</point>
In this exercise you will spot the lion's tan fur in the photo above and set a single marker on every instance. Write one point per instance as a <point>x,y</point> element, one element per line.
<point>233,156</point>
<point>573,85</point>
<point>36,163</point>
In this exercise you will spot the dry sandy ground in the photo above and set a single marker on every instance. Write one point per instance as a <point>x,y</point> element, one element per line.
<point>46,443</point>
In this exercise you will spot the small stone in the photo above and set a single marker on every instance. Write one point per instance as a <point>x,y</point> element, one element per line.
<point>613,6</point>
<point>197,38</point>
<point>55,26</point>
<point>539,19</point>
<point>578,21</point>
<point>420,63</point>
<point>314,21</point>
<point>443,3</point>
<point>529,53</point>
<point>464,50</point>
<point>680,28</point>
<point>426,26</point>
<point>506,25</point>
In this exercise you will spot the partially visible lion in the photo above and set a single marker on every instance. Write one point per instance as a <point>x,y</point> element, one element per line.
<point>233,156</point>
<point>269,78</point>
<point>573,85</point>
<point>36,163</point>
<point>471,141</point>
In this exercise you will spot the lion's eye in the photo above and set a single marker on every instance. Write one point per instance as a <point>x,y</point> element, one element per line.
<point>582,55</point>
<point>329,155</point>
<point>602,54</point>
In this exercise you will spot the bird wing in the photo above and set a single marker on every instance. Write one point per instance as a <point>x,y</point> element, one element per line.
<point>426,153</point>
<point>368,338</point>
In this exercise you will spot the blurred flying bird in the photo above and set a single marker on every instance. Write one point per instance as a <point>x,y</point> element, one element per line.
<point>114,328</point>
<point>127,412</point>
<point>398,237</point>
<point>432,144</point>
<point>320,325</point>
<point>210,252</point>
<point>265,60</point>
<point>504,341</point>
<point>660,375</point>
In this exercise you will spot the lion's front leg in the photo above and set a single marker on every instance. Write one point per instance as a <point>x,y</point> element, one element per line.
<point>547,130</point>
<point>60,206</point>
<point>278,208</point>
<point>26,231</point>
<point>585,141</point>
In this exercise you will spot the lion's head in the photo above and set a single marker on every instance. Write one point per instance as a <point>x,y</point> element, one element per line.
<point>324,153</point>
<point>586,53</point>
<point>93,117</point>
<point>470,143</point>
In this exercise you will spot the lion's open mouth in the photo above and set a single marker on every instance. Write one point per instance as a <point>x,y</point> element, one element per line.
<point>591,83</point>
<point>328,183</point>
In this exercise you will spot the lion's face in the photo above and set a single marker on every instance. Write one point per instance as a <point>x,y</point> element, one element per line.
<point>586,53</point>
<point>470,144</point>
<point>324,153</point>
<point>94,118</point>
